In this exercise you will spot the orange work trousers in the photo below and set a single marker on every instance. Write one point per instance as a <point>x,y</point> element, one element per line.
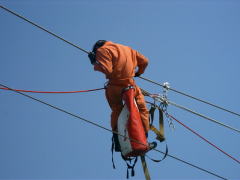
<point>114,97</point>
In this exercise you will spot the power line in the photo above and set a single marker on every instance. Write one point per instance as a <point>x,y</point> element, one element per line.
<point>197,134</point>
<point>192,97</point>
<point>102,127</point>
<point>160,99</point>
<point>42,28</point>
<point>70,43</point>
<point>204,116</point>
<point>54,92</point>
<point>194,132</point>
<point>169,102</point>
<point>88,53</point>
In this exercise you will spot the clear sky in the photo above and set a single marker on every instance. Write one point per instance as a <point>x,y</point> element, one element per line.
<point>192,44</point>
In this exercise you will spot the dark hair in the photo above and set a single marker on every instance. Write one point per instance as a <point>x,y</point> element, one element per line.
<point>98,44</point>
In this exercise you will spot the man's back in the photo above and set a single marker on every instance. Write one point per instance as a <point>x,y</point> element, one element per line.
<point>118,62</point>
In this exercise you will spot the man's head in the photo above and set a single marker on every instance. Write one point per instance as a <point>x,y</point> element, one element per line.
<point>98,44</point>
<point>92,55</point>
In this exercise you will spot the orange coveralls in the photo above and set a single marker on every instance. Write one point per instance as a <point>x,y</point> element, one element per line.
<point>119,63</point>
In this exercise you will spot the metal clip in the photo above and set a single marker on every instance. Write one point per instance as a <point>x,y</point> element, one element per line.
<point>166,87</point>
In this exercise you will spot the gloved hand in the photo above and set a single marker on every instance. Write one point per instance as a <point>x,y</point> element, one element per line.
<point>92,57</point>
<point>137,74</point>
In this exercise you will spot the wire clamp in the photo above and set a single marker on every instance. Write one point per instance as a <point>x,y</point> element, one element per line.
<point>166,87</point>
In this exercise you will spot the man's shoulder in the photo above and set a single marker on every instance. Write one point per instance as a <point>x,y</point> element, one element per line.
<point>111,47</point>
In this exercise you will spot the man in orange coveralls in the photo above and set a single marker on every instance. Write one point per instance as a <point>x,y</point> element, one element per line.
<point>120,64</point>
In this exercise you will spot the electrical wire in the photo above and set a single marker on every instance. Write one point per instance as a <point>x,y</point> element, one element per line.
<point>42,28</point>
<point>53,92</point>
<point>192,97</point>
<point>109,130</point>
<point>70,43</point>
<point>88,53</point>
<point>204,116</point>
<point>194,132</point>
<point>160,99</point>
<point>169,102</point>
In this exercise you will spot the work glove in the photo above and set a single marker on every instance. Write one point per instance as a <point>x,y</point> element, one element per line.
<point>92,57</point>
<point>137,74</point>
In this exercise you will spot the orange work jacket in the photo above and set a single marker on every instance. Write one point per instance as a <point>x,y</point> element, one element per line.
<point>119,63</point>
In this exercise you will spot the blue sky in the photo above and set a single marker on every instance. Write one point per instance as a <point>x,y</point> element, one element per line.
<point>193,45</point>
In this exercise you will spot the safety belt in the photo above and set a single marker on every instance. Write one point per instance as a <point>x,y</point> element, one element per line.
<point>159,136</point>
<point>145,168</point>
<point>159,133</point>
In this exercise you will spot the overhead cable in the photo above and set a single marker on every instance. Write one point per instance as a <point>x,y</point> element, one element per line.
<point>169,116</point>
<point>192,97</point>
<point>194,132</point>
<point>169,102</point>
<point>54,92</point>
<point>70,43</point>
<point>160,99</point>
<point>42,28</point>
<point>109,130</point>
<point>204,116</point>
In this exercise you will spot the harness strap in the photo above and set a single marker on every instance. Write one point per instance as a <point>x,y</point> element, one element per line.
<point>159,133</point>
<point>157,161</point>
<point>145,168</point>
<point>129,166</point>
<point>112,149</point>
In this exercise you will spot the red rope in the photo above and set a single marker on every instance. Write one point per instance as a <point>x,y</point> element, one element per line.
<point>203,138</point>
<point>20,90</point>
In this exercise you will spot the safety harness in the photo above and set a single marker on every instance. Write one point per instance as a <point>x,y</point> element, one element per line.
<point>131,158</point>
<point>158,132</point>
<point>130,161</point>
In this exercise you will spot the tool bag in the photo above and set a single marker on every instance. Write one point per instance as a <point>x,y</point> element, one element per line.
<point>132,138</point>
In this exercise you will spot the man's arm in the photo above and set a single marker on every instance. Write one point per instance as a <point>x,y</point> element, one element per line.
<point>142,63</point>
<point>103,61</point>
